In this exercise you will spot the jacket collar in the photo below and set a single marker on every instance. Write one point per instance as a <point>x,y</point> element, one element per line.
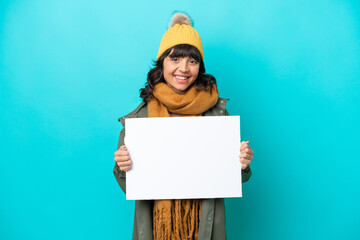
<point>140,111</point>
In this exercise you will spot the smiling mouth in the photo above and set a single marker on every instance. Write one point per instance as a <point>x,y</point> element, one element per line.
<point>181,78</point>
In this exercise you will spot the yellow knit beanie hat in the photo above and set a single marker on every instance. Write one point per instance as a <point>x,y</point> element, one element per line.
<point>180,32</point>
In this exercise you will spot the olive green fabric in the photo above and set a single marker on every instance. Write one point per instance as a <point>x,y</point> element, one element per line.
<point>212,220</point>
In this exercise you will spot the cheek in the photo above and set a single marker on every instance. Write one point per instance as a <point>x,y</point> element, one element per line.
<point>169,78</point>
<point>195,72</point>
<point>169,69</point>
<point>167,73</point>
<point>166,67</point>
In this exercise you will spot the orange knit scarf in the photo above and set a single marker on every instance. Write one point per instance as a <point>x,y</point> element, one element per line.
<point>178,219</point>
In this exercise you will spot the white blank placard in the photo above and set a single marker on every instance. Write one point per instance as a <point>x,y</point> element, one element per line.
<point>183,157</point>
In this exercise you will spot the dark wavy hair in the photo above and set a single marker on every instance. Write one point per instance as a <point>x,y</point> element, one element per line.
<point>155,75</point>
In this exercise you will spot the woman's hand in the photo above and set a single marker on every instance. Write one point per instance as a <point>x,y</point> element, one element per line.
<point>122,159</point>
<point>246,154</point>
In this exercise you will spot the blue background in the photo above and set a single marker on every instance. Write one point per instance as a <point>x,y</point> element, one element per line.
<point>69,69</point>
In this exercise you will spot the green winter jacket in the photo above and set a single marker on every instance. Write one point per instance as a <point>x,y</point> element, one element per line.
<point>212,220</point>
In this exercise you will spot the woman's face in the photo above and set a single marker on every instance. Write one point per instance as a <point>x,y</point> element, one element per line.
<point>180,72</point>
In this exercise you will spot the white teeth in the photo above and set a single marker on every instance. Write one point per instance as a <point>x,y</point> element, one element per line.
<point>182,78</point>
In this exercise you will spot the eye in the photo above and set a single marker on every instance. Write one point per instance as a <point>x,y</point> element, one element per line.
<point>193,62</point>
<point>174,59</point>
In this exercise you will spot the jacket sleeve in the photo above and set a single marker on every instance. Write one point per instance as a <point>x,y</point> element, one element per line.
<point>120,175</point>
<point>245,173</point>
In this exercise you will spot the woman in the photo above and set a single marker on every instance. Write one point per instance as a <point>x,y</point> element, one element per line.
<point>178,86</point>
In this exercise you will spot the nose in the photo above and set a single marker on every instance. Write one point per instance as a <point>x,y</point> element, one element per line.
<point>184,66</point>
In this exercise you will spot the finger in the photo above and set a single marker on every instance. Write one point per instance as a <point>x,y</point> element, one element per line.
<point>246,150</point>
<point>243,145</point>
<point>124,164</point>
<point>245,162</point>
<point>122,158</point>
<point>125,169</point>
<point>122,148</point>
<point>248,157</point>
<point>121,152</point>
<point>245,155</point>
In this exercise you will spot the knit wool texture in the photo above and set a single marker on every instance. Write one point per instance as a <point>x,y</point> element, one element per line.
<point>180,34</point>
<point>178,219</point>
<point>192,103</point>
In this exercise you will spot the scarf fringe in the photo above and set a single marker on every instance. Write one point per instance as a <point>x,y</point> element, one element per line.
<point>176,219</point>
